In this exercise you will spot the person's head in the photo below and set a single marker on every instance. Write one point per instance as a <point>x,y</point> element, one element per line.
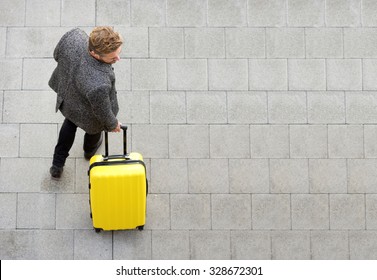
<point>105,44</point>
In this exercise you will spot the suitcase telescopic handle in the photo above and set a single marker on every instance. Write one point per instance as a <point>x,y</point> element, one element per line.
<point>124,128</point>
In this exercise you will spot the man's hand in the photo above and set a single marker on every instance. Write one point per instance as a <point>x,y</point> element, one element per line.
<point>117,129</point>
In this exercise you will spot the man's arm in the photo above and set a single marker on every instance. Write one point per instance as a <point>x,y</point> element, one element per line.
<point>101,106</point>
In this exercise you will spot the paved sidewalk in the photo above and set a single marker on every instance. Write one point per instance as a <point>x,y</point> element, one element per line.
<point>257,121</point>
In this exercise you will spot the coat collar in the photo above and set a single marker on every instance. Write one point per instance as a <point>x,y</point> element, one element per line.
<point>99,65</point>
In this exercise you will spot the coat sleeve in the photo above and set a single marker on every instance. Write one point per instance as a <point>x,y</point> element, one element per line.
<point>100,102</point>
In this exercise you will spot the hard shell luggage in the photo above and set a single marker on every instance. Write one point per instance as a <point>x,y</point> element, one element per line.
<point>117,189</point>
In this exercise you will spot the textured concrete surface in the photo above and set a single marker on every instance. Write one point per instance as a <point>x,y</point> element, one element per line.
<point>257,120</point>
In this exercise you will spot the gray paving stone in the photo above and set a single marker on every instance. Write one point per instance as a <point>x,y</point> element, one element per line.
<point>34,42</point>
<point>329,245</point>
<point>250,245</point>
<point>12,13</point>
<point>310,211</point>
<point>285,43</point>
<point>362,175</point>
<point>82,178</point>
<point>307,74</point>
<point>326,107</point>
<point>345,141</point>
<point>268,74</point>
<point>36,245</point>
<point>36,210</point>
<point>166,42</point>
<point>344,74</point>
<point>363,245</point>
<point>72,13</point>
<point>9,140</point>
<point>11,74</point>
<point>269,13</point>
<point>289,176</point>
<point>287,107</point>
<point>36,73</point>
<point>360,107</point>
<point>290,245</point>
<point>89,245</point>
<point>206,107</point>
<point>227,13</point>
<point>308,141</point>
<point>231,211</point>
<point>229,141</point>
<point>1,106</point>
<point>190,211</point>
<point>20,107</point>
<point>158,211</point>
<point>169,176</point>
<point>208,176</point>
<point>246,107</point>
<point>37,140</point>
<point>245,42</point>
<point>113,12</point>
<point>347,211</point>
<point>368,8</point>
<point>304,13</point>
<point>360,43</point>
<point>204,42</point>
<point>170,245</point>
<point>370,144</point>
<point>271,211</point>
<point>8,205</point>
<point>369,74</point>
<point>341,13</point>
<point>134,107</point>
<point>371,211</point>
<point>73,211</point>
<point>183,13</point>
<point>188,141</point>
<point>187,74</point>
<point>148,13</point>
<point>135,44</point>
<point>248,176</point>
<point>324,42</point>
<point>228,74</point>
<point>168,107</point>
<point>42,13</point>
<point>122,72</point>
<point>150,140</point>
<point>132,245</point>
<point>269,141</point>
<point>328,175</point>
<point>210,245</point>
<point>35,176</point>
<point>3,35</point>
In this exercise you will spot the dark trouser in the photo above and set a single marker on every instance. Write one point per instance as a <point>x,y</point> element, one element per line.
<point>67,137</point>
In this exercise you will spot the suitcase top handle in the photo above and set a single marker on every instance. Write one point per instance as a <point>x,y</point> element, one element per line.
<point>124,128</point>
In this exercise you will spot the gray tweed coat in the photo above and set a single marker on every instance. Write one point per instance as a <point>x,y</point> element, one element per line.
<point>85,87</point>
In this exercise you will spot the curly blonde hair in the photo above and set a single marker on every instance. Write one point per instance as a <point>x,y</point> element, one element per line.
<point>104,40</point>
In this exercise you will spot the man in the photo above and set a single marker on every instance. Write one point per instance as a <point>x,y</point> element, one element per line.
<point>84,81</point>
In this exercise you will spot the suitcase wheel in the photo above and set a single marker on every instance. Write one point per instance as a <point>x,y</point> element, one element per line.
<point>140,227</point>
<point>98,230</point>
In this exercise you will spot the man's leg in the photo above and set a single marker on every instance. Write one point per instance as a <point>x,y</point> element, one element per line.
<point>91,144</point>
<point>66,138</point>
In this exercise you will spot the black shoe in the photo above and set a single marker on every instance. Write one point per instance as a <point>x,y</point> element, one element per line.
<point>91,153</point>
<point>56,172</point>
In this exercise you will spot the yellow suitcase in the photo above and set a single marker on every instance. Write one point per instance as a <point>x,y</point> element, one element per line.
<point>117,188</point>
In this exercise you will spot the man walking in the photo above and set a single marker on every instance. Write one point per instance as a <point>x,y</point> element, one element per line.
<point>84,81</point>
